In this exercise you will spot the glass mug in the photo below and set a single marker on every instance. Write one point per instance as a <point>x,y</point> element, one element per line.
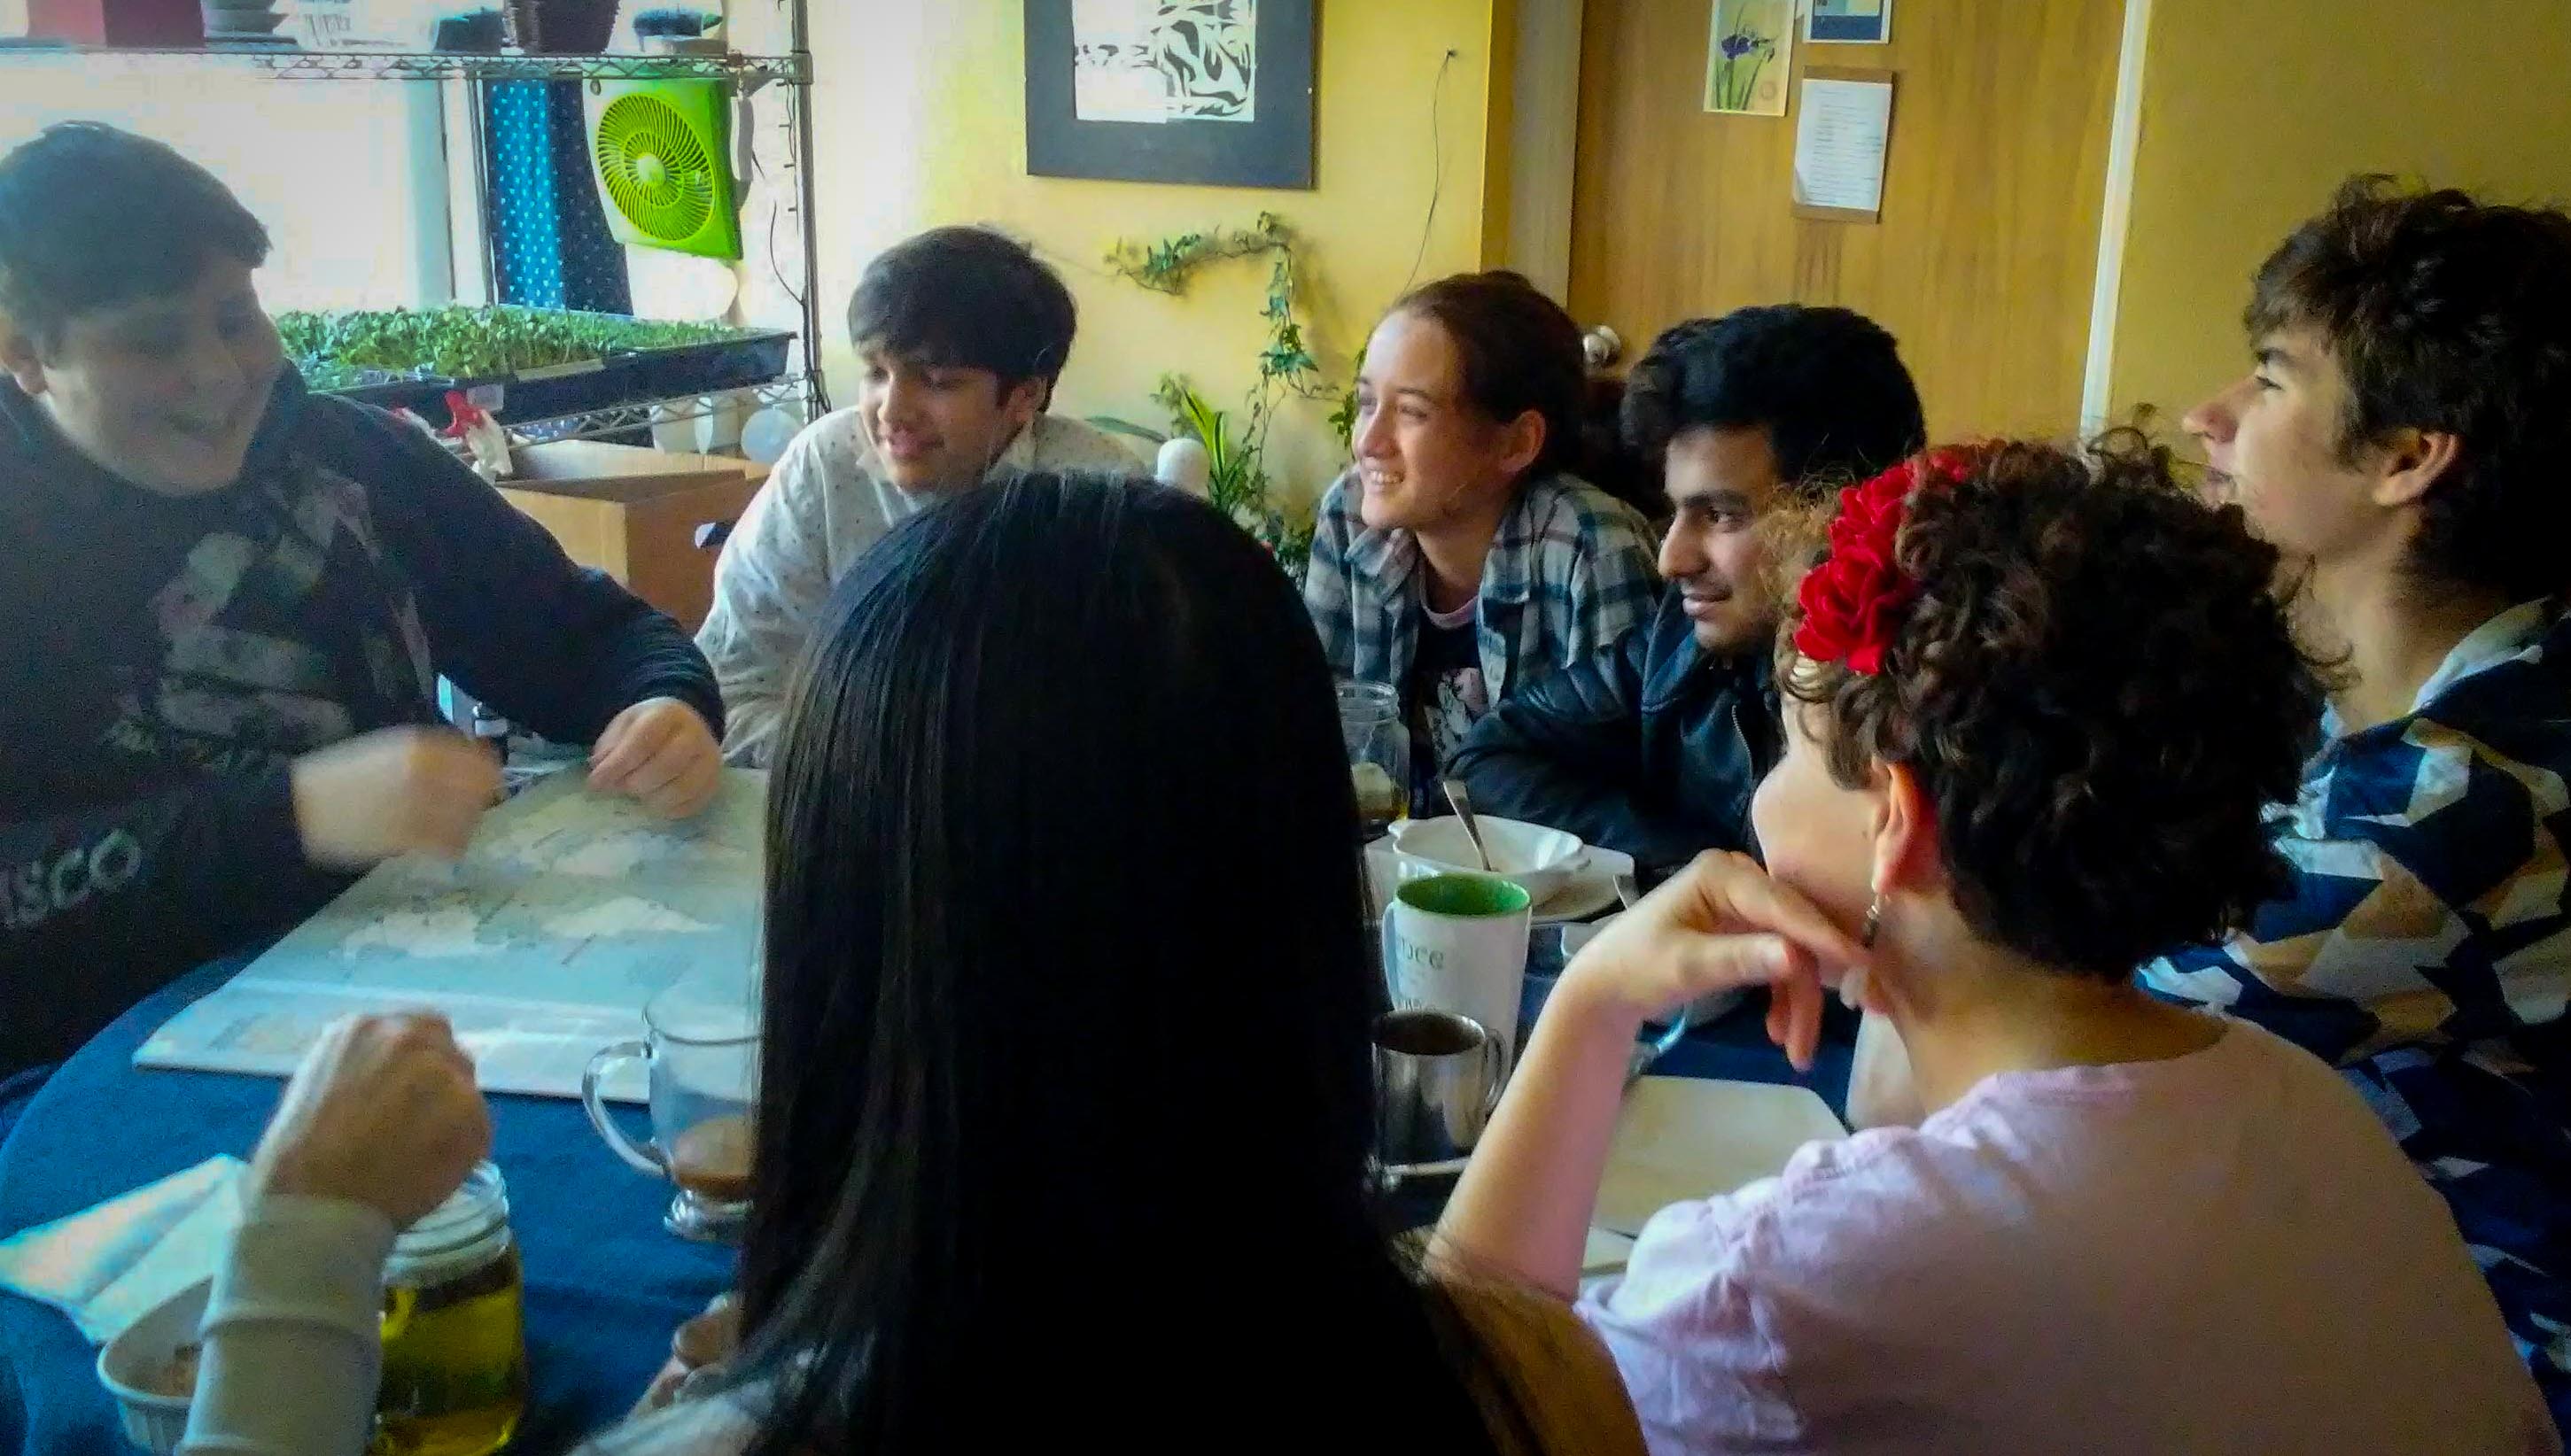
<point>703,1055</point>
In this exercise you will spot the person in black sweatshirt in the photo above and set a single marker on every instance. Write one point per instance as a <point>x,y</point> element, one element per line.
<point>225,602</point>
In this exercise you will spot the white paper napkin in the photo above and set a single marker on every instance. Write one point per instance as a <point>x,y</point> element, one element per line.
<point>113,1263</point>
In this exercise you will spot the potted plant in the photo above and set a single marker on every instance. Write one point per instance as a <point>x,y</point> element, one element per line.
<point>1236,481</point>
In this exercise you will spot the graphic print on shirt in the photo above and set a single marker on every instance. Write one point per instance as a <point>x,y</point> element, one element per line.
<point>1456,701</point>
<point>36,892</point>
<point>1448,694</point>
<point>283,635</point>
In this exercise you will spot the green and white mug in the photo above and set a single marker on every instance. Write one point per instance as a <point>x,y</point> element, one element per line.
<point>1459,943</point>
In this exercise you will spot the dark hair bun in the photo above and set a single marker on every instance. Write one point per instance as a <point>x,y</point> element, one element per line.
<point>1519,351</point>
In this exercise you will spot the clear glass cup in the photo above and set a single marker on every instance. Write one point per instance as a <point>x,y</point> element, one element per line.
<point>1378,746</point>
<point>703,1058</point>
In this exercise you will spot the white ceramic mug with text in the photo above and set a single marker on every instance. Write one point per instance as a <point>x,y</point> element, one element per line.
<point>1458,942</point>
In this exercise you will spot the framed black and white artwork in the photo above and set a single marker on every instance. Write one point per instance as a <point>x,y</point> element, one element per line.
<point>1214,93</point>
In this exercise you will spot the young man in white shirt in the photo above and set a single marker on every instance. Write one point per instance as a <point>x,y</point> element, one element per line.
<point>961,334</point>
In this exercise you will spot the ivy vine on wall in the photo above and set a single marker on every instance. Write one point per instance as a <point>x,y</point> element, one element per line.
<point>1236,447</point>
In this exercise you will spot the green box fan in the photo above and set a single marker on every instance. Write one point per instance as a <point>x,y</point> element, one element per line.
<point>661,152</point>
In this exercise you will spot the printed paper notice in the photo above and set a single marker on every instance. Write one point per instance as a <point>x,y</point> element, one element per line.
<point>1839,141</point>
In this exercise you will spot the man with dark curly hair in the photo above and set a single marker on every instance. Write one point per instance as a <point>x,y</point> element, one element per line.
<point>1654,747</point>
<point>2403,435</point>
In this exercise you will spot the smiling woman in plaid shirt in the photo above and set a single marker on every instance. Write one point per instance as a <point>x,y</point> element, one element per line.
<point>1460,556</point>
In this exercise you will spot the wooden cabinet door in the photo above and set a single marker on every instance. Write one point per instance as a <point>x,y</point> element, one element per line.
<point>1985,259</point>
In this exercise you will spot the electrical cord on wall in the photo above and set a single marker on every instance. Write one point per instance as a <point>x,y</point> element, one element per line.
<point>1437,163</point>
<point>776,200</point>
<point>775,195</point>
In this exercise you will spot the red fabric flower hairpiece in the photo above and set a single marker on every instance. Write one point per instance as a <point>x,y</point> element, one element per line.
<point>1852,601</point>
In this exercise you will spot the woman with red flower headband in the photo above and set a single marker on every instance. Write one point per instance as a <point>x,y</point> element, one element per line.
<point>2036,702</point>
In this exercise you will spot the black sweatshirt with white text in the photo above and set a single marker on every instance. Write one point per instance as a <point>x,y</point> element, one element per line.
<point>164,660</point>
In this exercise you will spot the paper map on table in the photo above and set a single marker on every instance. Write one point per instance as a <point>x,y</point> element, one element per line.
<point>567,914</point>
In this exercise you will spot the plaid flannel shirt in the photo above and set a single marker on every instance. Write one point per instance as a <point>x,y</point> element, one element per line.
<point>1570,572</point>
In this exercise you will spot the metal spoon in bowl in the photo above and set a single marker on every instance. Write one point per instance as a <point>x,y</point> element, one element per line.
<point>1462,799</point>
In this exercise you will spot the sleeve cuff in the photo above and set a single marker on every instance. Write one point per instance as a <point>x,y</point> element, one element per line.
<point>266,818</point>
<point>696,689</point>
<point>309,1261</point>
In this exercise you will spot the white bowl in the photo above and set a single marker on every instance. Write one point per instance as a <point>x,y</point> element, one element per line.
<point>1538,860</point>
<point>126,1365</point>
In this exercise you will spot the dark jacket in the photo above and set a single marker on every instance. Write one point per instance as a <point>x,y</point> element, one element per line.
<point>1653,748</point>
<point>163,660</point>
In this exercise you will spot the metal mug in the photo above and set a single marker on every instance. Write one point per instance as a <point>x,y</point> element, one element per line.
<point>1438,1077</point>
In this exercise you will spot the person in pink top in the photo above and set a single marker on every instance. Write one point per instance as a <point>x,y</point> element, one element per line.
<point>2036,699</point>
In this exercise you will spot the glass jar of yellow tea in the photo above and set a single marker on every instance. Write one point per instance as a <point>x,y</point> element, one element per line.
<point>455,1336</point>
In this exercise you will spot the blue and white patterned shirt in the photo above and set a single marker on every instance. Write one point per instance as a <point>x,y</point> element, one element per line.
<point>2426,948</point>
<point>1570,572</point>
<point>2430,901</point>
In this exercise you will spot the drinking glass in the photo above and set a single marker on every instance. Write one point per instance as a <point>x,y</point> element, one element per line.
<point>1379,748</point>
<point>703,1057</point>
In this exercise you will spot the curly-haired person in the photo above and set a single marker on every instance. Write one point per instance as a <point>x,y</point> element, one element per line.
<point>2404,438</point>
<point>2036,702</point>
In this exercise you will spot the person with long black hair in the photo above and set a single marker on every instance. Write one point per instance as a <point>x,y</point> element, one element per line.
<point>1065,1108</point>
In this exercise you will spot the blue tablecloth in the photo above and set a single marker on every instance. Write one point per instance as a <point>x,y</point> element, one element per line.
<point>1733,1048</point>
<point>605,1283</point>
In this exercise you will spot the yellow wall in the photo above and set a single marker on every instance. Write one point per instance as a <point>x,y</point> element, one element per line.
<point>2252,110</point>
<point>921,122</point>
